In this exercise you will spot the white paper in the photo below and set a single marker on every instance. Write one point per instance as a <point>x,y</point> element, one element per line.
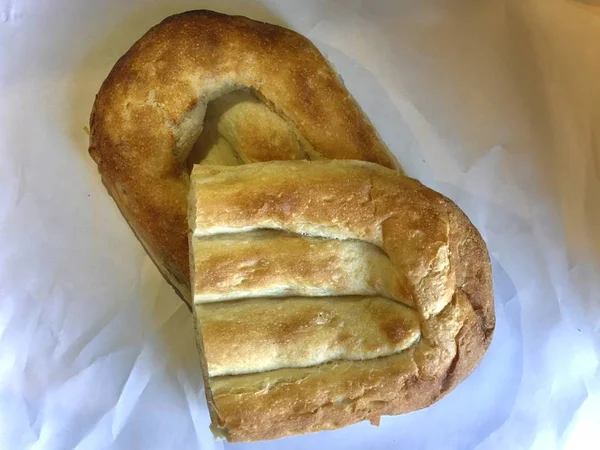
<point>494,103</point>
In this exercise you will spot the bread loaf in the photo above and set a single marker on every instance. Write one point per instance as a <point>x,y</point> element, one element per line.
<point>330,292</point>
<point>226,90</point>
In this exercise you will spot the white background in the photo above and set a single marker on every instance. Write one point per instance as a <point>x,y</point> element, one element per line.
<point>494,103</point>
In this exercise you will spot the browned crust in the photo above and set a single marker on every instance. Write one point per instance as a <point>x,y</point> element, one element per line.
<point>142,106</point>
<point>337,394</point>
<point>401,384</point>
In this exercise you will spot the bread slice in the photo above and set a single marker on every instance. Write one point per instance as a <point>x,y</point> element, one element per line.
<point>330,292</point>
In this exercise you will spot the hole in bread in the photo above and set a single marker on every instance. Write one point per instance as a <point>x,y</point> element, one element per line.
<point>240,128</point>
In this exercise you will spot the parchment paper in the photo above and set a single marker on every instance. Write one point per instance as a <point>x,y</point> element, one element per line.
<point>494,103</point>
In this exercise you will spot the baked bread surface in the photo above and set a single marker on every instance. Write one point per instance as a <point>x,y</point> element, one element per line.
<point>331,292</point>
<point>227,90</point>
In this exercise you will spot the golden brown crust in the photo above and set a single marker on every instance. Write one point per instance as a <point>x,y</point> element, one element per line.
<point>150,109</point>
<point>442,262</point>
<point>259,335</point>
<point>300,401</point>
<point>253,265</point>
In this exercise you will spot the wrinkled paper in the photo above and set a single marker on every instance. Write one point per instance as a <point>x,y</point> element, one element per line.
<point>494,103</point>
